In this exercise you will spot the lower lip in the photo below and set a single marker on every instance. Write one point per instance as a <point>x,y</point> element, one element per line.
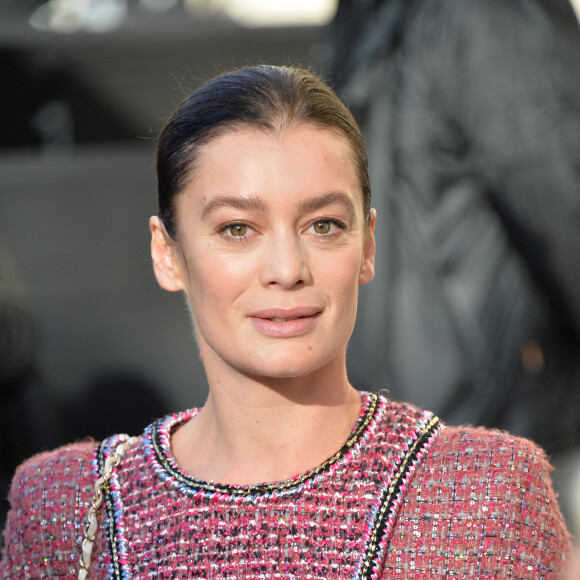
<point>285,328</point>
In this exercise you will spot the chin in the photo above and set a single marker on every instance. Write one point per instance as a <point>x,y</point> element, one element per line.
<point>280,372</point>
<point>288,367</point>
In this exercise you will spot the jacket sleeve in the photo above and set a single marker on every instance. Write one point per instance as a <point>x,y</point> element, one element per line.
<point>49,500</point>
<point>483,506</point>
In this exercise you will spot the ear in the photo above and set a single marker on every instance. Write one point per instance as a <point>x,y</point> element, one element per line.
<point>166,263</point>
<point>367,269</point>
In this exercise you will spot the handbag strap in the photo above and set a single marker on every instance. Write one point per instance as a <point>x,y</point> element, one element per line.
<point>100,489</point>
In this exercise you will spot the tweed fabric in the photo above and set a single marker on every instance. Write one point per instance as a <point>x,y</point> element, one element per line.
<point>479,504</point>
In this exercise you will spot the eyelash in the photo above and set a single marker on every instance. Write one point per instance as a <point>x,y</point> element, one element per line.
<point>338,223</point>
<point>225,227</point>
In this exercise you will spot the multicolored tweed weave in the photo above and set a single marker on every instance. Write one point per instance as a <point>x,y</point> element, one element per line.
<point>403,498</point>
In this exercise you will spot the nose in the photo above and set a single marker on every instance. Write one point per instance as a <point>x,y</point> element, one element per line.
<point>285,262</point>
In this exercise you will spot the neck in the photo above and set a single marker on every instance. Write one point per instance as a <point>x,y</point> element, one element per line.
<point>257,431</point>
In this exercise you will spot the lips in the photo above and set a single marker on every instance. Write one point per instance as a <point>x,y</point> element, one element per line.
<point>285,322</point>
<point>284,314</point>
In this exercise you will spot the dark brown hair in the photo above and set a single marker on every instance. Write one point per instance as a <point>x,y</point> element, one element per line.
<point>268,98</point>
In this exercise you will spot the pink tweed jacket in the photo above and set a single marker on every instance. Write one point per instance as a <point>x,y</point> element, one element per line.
<point>405,497</point>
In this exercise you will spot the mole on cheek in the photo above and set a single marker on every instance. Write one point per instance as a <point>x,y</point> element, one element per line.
<point>308,347</point>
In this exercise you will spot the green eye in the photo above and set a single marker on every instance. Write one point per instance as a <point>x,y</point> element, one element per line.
<point>238,230</point>
<point>321,227</point>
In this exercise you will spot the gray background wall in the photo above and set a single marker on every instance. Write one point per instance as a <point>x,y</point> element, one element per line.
<point>74,206</point>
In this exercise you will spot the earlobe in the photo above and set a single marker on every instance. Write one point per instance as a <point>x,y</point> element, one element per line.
<point>165,261</point>
<point>367,270</point>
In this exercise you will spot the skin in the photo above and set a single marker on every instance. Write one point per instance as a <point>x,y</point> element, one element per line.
<point>272,247</point>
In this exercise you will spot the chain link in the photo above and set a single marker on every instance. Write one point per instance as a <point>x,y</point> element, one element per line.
<point>92,522</point>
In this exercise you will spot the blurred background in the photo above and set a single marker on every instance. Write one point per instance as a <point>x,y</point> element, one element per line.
<point>89,345</point>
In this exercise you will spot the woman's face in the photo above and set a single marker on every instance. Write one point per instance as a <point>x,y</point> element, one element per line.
<point>272,248</point>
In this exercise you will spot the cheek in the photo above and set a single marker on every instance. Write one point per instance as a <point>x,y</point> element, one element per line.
<point>348,265</point>
<point>217,278</point>
<point>340,276</point>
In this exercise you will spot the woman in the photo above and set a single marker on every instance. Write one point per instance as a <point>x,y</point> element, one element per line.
<point>265,226</point>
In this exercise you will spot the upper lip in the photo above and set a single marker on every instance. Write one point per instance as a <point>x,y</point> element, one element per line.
<point>286,313</point>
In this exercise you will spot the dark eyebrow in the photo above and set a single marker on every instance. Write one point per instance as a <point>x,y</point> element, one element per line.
<point>255,203</point>
<point>326,199</point>
<point>252,203</point>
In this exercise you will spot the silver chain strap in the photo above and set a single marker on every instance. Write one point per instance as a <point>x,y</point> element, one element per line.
<point>101,485</point>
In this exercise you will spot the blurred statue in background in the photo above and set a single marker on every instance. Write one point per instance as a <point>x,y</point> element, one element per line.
<point>471,110</point>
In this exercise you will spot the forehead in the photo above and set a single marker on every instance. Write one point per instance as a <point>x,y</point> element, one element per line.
<point>298,157</point>
<point>290,135</point>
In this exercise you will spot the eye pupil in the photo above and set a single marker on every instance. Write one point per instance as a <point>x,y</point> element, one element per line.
<point>322,227</point>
